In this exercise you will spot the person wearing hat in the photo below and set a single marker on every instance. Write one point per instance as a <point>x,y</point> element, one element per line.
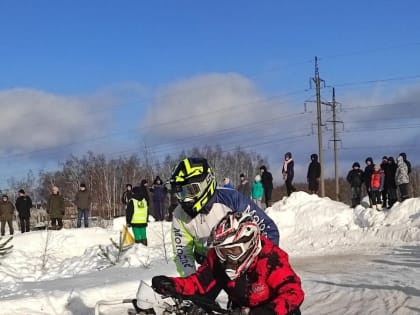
<point>127,194</point>
<point>137,213</point>
<point>7,210</point>
<point>244,186</point>
<point>55,209</point>
<point>82,202</point>
<point>23,206</point>
<point>367,175</point>
<point>288,173</point>
<point>267,182</point>
<point>355,179</point>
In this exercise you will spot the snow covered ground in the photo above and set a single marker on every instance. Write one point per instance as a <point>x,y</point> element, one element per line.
<point>351,261</point>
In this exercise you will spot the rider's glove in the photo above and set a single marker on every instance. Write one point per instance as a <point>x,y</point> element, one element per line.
<point>163,285</point>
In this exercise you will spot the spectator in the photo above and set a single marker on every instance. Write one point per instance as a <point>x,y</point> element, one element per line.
<point>401,178</point>
<point>267,183</point>
<point>384,167</point>
<point>407,162</point>
<point>82,202</point>
<point>137,214</point>
<point>314,174</point>
<point>159,194</point>
<point>355,179</point>
<point>254,272</point>
<point>227,183</point>
<point>7,211</point>
<point>201,206</point>
<point>173,203</point>
<point>23,206</point>
<point>145,191</point>
<point>244,187</point>
<point>390,182</point>
<point>367,176</point>
<point>377,185</point>
<point>127,194</point>
<point>288,173</point>
<point>55,209</point>
<point>257,191</point>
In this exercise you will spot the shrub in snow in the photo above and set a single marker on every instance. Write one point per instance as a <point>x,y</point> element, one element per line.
<point>4,247</point>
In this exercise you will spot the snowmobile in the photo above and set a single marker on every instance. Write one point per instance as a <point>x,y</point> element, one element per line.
<point>148,302</point>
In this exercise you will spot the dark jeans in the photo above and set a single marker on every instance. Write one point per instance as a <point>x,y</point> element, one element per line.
<point>289,186</point>
<point>403,191</point>
<point>24,224</point>
<point>267,196</point>
<point>356,193</point>
<point>82,213</point>
<point>55,221</point>
<point>392,195</point>
<point>3,226</point>
<point>376,197</point>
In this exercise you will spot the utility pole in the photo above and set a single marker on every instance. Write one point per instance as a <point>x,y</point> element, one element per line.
<point>334,121</point>
<point>317,80</point>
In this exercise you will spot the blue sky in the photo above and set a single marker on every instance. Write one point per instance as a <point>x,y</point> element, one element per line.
<point>115,76</point>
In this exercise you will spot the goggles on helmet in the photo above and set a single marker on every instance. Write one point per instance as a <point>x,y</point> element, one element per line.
<point>187,192</point>
<point>232,251</point>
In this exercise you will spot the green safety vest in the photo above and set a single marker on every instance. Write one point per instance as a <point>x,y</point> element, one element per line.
<point>140,211</point>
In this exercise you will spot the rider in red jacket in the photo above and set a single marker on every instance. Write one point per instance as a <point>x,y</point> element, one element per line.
<point>253,271</point>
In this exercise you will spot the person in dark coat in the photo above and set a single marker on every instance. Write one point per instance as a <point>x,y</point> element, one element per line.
<point>367,176</point>
<point>267,182</point>
<point>23,206</point>
<point>82,202</point>
<point>7,210</point>
<point>127,194</point>
<point>159,195</point>
<point>288,173</point>
<point>384,166</point>
<point>137,213</point>
<point>355,178</point>
<point>55,209</point>
<point>314,173</point>
<point>244,186</point>
<point>144,190</point>
<point>390,183</point>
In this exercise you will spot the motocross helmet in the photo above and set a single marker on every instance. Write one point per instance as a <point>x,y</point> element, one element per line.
<point>236,241</point>
<point>193,183</point>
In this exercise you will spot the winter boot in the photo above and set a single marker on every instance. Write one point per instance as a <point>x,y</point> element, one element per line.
<point>379,207</point>
<point>144,242</point>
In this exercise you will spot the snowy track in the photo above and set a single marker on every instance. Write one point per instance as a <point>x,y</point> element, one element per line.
<point>351,262</point>
<point>362,284</point>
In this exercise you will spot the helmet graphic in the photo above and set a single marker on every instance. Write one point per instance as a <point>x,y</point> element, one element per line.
<point>236,240</point>
<point>193,183</point>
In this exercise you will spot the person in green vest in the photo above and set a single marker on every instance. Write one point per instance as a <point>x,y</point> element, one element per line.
<point>136,214</point>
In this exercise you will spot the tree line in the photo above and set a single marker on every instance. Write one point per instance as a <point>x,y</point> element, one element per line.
<point>106,178</point>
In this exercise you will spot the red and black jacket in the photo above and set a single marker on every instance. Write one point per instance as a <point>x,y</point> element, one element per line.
<point>269,286</point>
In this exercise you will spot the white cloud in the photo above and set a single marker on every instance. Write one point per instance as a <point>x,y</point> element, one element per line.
<point>37,120</point>
<point>217,108</point>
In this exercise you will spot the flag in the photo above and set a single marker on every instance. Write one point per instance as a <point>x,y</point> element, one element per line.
<point>128,238</point>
